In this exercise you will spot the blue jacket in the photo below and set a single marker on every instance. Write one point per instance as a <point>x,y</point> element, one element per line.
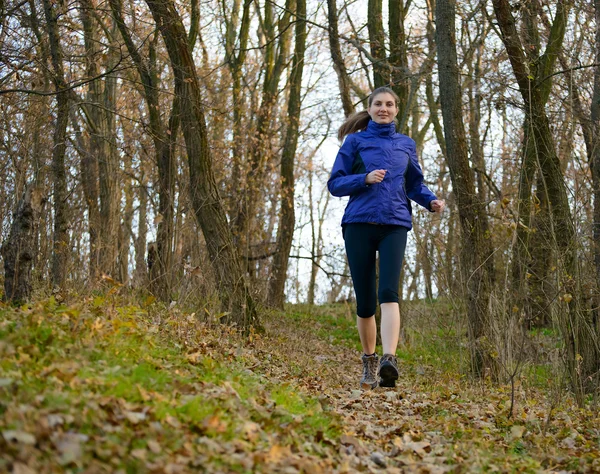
<point>379,147</point>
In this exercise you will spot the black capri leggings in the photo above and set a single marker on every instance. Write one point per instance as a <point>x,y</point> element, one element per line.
<point>362,243</point>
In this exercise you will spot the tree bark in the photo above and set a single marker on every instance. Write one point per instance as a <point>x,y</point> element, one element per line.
<point>261,142</point>
<point>338,60</point>
<point>287,221</point>
<point>577,330</point>
<point>90,153</point>
<point>60,253</point>
<point>398,52</point>
<point>19,249</point>
<point>236,302</point>
<point>595,158</point>
<point>164,137</point>
<point>476,250</point>
<point>381,75</point>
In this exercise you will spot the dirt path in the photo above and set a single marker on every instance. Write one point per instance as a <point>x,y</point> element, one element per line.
<point>431,422</point>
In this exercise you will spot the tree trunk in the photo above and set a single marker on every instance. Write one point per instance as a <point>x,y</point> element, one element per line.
<point>108,171</point>
<point>60,253</point>
<point>595,159</point>
<point>287,220</point>
<point>476,252</point>
<point>19,249</point>
<point>237,304</point>
<point>91,151</point>
<point>578,331</point>
<point>141,269</point>
<point>164,138</point>
<point>338,61</point>
<point>381,76</point>
<point>261,142</point>
<point>398,53</point>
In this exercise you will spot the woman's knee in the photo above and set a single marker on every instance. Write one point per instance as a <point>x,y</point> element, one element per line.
<point>388,295</point>
<point>366,309</point>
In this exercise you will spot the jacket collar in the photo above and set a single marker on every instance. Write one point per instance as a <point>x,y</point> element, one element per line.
<point>382,130</point>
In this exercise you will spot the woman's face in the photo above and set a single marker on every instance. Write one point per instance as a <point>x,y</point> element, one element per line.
<point>383,108</point>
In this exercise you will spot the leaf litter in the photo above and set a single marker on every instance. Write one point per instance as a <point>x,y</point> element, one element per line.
<point>99,387</point>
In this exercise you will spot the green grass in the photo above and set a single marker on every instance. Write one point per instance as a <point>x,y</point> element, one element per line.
<point>101,367</point>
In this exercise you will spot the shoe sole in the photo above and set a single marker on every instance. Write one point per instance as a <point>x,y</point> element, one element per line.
<point>388,375</point>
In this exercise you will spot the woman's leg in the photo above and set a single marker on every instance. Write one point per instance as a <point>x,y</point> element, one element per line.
<point>390,327</point>
<point>361,253</point>
<point>391,256</point>
<point>367,330</point>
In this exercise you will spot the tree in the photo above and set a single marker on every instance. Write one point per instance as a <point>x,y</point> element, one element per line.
<point>236,300</point>
<point>476,261</point>
<point>540,155</point>
<point>164,137</point>
<point>59,175</point>
<point>287,221</point>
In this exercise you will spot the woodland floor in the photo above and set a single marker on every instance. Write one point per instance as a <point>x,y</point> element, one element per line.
<point>98,385</point>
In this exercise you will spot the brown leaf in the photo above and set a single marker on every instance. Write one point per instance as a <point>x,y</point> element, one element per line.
<point>215,424</point>
<point>516,432</point>
<point>139,453</point>
<point>352,441</point>
<point>20,468</point>
<point>134,417</point>
<point>69,446</point>
<point>21,437</point>
<point>174,422</point>
<point>251,431</point>
<point>153,446</point>
<point>277,453</point>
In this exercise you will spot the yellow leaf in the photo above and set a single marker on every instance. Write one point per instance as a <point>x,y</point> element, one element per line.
<point>516,432</point>
<point>277,453</point>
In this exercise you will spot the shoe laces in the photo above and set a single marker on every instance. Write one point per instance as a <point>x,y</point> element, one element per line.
<point>370,365</point>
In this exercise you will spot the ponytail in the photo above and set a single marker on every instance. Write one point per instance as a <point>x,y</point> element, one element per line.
<point>354,123</point>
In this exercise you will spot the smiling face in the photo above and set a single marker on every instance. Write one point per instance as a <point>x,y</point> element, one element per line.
<point>383,108</point>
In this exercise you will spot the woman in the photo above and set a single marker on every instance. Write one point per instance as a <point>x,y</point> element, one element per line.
<point>378,168</point>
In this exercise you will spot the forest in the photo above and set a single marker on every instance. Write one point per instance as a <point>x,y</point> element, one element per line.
<point>164,168</point>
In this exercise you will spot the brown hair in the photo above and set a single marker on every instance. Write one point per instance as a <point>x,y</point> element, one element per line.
<point>360,120</point>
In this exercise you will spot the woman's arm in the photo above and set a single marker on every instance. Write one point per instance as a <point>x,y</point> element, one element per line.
<point>342,182</point>
<point>415,188</point>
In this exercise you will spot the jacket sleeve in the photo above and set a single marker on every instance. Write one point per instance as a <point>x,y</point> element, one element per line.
<point>415,188</point>
<point>341,181</point>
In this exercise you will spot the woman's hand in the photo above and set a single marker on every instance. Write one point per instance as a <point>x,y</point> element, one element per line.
<point>437,205</point>
<point>375,176</point>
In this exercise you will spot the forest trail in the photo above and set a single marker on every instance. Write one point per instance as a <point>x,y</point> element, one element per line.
<point>99,386</point>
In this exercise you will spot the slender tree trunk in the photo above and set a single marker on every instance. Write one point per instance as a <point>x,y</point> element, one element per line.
<point>287,221</point>
<point>236,63</point>
<point>164,139</point>
<point>237,303</point>
<point>59,175</point>
<point>141,270</point>
<point>578,331</point>
<point>381,76</point>
<point>398,53</point>
<point>91,151</point>
<point>476,252</point>
<point>338,61</point>
<point>108,172</point>
<point>261,142</point>
<point>595,158</point>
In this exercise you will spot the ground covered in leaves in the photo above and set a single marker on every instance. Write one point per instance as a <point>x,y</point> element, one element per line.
<point>98,385</point>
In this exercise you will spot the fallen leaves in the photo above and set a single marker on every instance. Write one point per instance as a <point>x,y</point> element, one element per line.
<point>98,386</point>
